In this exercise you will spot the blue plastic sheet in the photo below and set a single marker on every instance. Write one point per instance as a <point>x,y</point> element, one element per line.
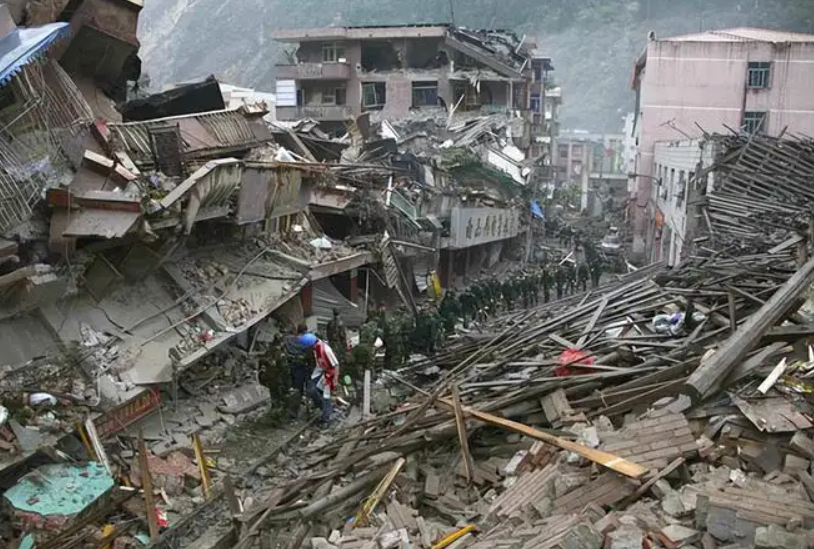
<point>536,209</point>
<point>24,45</point>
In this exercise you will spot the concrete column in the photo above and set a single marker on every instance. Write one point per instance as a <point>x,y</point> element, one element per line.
<point>307,299</point>
<point>354,285</point>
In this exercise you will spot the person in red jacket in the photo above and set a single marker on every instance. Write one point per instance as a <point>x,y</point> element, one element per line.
<point>323,380</point>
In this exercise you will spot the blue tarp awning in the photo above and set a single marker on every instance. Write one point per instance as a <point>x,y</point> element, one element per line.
<point>24,45</point>
<point>536,210</point>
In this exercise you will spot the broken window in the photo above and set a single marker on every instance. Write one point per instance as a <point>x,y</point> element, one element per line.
<point>333,96</point>
<point>333,53</point>
<point>538,72</point>
<point>425,94</point>
<point>374,95</point>
<point>563,151</point>
<point>758,74</point>
<point>576,151</point>
<point>753,122</point>
<point>380,56</point>
<point>682,184</point>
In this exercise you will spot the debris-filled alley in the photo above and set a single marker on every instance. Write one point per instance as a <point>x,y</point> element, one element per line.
<point>370,315</point>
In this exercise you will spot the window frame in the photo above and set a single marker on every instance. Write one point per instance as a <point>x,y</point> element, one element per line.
<point>424,88</point>
<point>380,99</point>
<point>750,118</point>
<point>333,52</point>
<point>759,75</point>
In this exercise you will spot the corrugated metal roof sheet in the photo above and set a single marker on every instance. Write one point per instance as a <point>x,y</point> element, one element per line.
<point>743,34</point>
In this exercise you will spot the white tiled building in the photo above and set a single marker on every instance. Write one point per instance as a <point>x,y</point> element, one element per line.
<point>674,169</point>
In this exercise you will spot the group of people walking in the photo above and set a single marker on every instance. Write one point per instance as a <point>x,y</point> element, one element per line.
<point>526,288</point>
<point>313,363</point>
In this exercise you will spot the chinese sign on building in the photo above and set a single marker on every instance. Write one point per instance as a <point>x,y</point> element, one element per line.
<point>474,226</point>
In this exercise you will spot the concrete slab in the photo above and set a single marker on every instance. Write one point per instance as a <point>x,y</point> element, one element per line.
<point>244,399</point>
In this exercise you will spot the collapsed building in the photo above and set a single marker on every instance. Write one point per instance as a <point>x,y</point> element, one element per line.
<point>140,241</point>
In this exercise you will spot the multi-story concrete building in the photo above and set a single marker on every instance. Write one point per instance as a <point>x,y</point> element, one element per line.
<point>746,80</point>
<point>338,72</point>
<point>595,163</point>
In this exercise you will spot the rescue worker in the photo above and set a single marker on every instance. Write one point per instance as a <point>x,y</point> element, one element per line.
<point>274,372</point>
<point>338,336</point>
<point>468,309</point>
<point>450,311</point>
<point>596,272</point>
<point>559,280</point>
<point>362,356</point>
<point>299,350</point>
<point>545,277</point>
<point>571,278</point>
<point>583,275</point>
<point>323,380</point>
<point>395,346</point>
<point>436,327</point>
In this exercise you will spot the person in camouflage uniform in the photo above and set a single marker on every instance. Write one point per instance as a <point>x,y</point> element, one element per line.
<point>545,281</point>
<point>274,372</point>
<point>436,329</point>
<point>363,355</point>
<point>467,306</point>
<point>525,291</point>
<point>509,295</point>
<point>450,311</point>
<point>571,278</point>
<point>560,280</point>
<point>338,336</point>
<point>596,272</point>
<point>583,275</point>
<point>395,344</point>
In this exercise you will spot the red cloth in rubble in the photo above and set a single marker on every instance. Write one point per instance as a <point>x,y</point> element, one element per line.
<point>570,357</point>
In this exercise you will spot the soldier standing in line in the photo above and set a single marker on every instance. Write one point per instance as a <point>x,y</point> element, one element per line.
<point>363,355</point>
<point>535,288</point>
<point>596,272</point>
<point>450,311</point>
<point>274,371</point>
<point>546,281</point>
<point>508,294</point>
<point>338,336</point>
<point>436,329</point>
<point>559,280</point>
<point>467,306</point>
<point>571,275</point>
<point>583,274</point>
<point>395,348</point>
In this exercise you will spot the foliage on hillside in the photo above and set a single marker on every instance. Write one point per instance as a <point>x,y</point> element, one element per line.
<point>593,43</point>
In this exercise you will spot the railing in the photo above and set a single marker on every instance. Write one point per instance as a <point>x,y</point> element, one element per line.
<point>326,113</point>
<point>314,71</point>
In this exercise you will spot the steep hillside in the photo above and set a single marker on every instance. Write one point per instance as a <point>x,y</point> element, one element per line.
<point>593,42</point>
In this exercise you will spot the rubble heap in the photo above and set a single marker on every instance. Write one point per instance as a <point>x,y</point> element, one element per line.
<point>584,423</point>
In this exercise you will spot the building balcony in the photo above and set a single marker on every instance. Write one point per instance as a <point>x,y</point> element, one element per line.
<point>314,71</point>
<point>322,113</point>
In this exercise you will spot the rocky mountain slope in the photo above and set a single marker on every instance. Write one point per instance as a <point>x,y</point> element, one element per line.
<point>593,43</point>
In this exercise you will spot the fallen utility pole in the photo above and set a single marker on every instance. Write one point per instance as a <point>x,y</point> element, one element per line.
<point>707,378</point>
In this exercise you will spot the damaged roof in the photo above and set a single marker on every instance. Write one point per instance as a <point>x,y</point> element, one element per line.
<point>202,135</point>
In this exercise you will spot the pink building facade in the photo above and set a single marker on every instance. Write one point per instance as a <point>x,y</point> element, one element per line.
<point>743,80</point>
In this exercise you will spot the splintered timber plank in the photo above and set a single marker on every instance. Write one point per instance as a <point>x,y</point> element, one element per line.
<point>710,373</point>
<point>615,463</point>
<point>460,423</point>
